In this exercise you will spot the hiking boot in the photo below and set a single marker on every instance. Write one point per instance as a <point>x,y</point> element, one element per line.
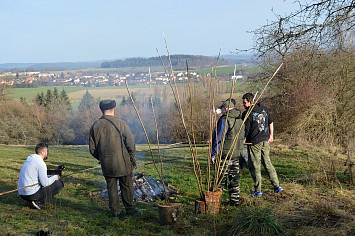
<point>278,189</point>
<point>34,204</point>
<point>257,194</point>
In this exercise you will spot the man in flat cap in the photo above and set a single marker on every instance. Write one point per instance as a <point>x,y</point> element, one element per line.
<point>223,146</point>
<point>112,143</point>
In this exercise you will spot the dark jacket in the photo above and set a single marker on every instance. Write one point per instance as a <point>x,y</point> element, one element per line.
<point>257,124</point>
<point>114,149</point>
<point>234,121</point>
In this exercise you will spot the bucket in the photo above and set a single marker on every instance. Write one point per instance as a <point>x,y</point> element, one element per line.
<point>170,213</point>
<point>200,206</point>
<point>213,201</point>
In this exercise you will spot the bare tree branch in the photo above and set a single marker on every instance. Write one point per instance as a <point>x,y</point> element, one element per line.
<point>322,22</point>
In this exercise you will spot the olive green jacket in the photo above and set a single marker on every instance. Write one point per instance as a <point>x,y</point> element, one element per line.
<point>234,122</point>
<point>115,149</point>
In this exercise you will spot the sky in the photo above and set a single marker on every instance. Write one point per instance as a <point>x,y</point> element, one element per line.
<point>44,31</point>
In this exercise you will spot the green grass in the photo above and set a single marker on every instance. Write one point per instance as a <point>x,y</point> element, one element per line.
<point>74,212</point>
<point>255,221</point>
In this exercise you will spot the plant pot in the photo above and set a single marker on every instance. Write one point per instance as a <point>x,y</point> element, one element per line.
<point>200,206</point>
<point>213,201</point>
<point>170,213</point>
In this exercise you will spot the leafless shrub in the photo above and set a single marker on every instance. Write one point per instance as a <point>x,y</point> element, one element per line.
<point>21,123</point>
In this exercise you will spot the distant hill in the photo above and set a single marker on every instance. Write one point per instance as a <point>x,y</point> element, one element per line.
<point>238,58</point>
<point>49,66</point>
<point>178,62</point>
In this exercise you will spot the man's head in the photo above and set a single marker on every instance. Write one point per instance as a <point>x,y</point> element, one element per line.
<point>107,106</point>
<point>42,150</point>
<point>247,100</point>
<point>229,103</point>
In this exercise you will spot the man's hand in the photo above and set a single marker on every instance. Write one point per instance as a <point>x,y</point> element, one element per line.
<point>60,169</point>
<point>58,177</point>
<point>271,127</point>
<point>271,139</point>
<point>212,159</point>
<point>134,164</point>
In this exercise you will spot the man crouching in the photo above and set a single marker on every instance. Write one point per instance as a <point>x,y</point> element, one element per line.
<point>34,173</point>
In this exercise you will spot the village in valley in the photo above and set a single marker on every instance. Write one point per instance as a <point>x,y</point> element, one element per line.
<point>32,79</point>
<point>134,70</point>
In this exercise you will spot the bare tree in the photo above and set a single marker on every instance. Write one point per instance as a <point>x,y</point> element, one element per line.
<point>321,22</point>
<point>313,96</point>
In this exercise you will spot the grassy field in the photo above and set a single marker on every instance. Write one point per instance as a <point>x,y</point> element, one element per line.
<point>317,198</point>
<point>76,93</point>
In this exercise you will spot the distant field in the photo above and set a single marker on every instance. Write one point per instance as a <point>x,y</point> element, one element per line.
<point>229,70</point>
<point>31,93</point>
<point>76,93</point>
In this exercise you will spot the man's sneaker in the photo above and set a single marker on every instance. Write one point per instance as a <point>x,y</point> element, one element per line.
<point>278,189</point>
<point>257,193</point>
<point>34,204</point>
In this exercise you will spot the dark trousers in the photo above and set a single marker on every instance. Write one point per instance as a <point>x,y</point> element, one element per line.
<point>44,194</point>
<point>127,192</point>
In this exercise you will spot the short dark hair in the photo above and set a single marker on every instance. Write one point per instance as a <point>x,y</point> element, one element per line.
<point>248,96</point>
<point>40,147</point>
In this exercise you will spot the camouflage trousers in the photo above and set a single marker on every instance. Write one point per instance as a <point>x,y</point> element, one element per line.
<point>259,154</point>
<point>232,173</point>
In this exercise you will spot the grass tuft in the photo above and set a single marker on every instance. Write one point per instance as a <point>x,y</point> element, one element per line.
<point>255,221</point>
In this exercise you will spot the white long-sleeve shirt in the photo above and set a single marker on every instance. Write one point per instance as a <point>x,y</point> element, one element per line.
<point>33,171</point>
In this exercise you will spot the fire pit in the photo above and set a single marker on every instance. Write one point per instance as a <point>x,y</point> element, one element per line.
<point>146,189</point>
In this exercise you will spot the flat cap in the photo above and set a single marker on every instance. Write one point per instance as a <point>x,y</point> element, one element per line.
<point>107,104</point>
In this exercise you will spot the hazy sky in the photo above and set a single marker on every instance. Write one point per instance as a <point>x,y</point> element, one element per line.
<point>89,30</point>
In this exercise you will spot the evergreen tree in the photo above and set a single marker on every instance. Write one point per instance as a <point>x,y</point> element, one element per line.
<point>55,93</point>
<point>49,98</point>
<point>88,112</point>
<point>123,102</point>
<point>40,99</point>
<point>23,100</point>
<point>87,102</point>
<point>64,97</point>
